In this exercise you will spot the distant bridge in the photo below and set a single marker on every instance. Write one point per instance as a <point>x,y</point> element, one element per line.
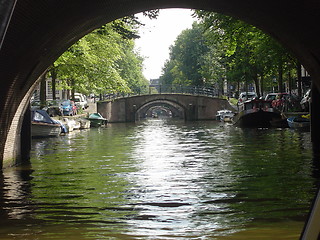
<point>186,106</point>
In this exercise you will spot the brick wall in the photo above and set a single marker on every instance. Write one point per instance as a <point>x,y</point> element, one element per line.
<point>12,148</point>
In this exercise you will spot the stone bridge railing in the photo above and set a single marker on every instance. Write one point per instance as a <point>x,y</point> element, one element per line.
<point>165,89</point>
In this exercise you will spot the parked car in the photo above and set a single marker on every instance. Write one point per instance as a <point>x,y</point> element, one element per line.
<point>81,101</point>
<point>278,100</point>
<point>69,107</point>
<point>284,101</point>
<point>54,108</point>
<point>244,96</point>
<point>305,101</point>
<point>274,96</point>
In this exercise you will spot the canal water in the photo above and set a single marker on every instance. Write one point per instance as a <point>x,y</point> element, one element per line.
<point>162,179</point>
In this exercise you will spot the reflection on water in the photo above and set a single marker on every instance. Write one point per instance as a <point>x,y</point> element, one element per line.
<point>161,180</point>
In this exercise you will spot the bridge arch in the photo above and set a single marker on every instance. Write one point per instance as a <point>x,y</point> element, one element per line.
<point>194,107</point>
<point>176,109</point>
<point>161,111</point>
<point>39,32</point>
<point>34,35</point>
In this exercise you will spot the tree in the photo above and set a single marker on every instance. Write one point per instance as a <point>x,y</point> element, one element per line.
<point>103,61</point>
<point>248,54</point>
<point>130,68</point>
<point>91,63</point>
<point>186,58</point>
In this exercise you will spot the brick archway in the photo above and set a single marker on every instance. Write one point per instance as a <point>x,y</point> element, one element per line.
<point>40,31</point>
<point>176,109</point>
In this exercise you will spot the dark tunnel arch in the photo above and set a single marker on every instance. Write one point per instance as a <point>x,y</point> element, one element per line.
<point>177,109</point>
<point>165,111</point>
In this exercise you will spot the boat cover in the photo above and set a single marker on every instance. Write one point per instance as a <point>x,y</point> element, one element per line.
<point>41,116</point>
<point>96,116</point>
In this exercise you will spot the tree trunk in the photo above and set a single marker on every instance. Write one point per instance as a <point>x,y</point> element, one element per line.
<point>246,82</point>
<point>43,91</point>
<point>256,82</point>
<point>53,84</point>
<point>261,84</point>
<point>280,77</point>
<point>289,82</point>
<point>73,90</point>
<point>299,74</point>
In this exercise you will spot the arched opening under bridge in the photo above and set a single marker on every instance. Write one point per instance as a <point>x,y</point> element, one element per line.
<point>159,111</point>
<point>153,108</point>
<point>34,35</point>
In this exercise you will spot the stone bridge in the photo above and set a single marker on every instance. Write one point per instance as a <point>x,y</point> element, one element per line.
<point>189,107</point>
<point>33,34</point>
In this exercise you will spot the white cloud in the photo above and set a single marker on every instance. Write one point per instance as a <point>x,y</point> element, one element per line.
<point>157,35</point>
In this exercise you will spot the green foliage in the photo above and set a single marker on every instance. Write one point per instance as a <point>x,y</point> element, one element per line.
<point>130,68</point>
<point>103,61</point>
<point>249,54</point>
<point>220,47</point>
<point>186,58</point>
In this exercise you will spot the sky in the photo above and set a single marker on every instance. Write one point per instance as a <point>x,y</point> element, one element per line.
<point>158,35</point>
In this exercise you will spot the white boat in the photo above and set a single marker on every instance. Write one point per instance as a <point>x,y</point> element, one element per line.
<point>42,125</point>
<point>71,124</point>
<point>84,123</point>
<point>225,115</point>
<point>64,128</point>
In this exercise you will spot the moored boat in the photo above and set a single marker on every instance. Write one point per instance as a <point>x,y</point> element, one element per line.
<point>63,126</point>
<point>96,120</point>
<point>256,113</point>
<point>225,115</point>
<point>301,123</point>
<point>279,123</point>
<point>72,124</point>
<point>42,125</point>
<point>84,123</point>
